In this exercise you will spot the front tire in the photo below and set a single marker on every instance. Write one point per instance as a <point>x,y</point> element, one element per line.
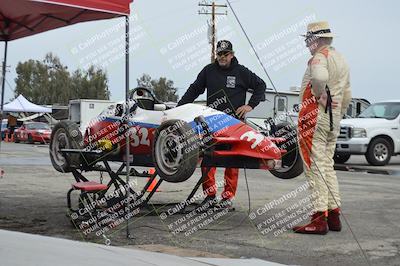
<point>16,139</point>
<point>175,151</point>
<point>292,164</point>
<point>30,139</point>
<point>65,135</point>
<point>379,152</point>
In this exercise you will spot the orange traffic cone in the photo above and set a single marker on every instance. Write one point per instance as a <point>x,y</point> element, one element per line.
<point>6,139</point>
<point>153,184</point>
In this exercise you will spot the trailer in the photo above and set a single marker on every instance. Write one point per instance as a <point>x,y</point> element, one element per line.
<point>81,111</point>
<point>356,106</point>
<point>281,106</point>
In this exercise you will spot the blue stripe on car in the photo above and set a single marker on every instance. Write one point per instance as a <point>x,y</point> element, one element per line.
<point>215,122</point>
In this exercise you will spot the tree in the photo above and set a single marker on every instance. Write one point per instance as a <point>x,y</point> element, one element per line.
<point>163,88</point>
<point>144,81</point>
<point>49,82</point>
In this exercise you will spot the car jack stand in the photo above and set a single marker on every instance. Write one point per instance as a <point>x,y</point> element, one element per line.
<point>196,187</point>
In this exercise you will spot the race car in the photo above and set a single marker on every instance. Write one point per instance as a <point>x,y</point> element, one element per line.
<point>173,140</point>
<point>33,132</point>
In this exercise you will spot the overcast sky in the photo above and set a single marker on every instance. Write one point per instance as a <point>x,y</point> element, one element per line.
<point>169,39</point>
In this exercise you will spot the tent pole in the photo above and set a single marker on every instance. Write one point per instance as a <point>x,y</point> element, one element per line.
<point>128,194</point>
<point>3,77</point>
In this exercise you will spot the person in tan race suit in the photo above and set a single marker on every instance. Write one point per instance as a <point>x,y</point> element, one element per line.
<point>325,95</point>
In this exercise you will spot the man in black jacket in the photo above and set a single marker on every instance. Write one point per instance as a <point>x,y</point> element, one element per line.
<point>225,79</point>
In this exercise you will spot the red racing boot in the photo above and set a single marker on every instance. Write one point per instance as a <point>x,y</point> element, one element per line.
<point>334,223</point>
<point>317,226</point>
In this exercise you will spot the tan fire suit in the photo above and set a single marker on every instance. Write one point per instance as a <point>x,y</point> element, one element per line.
<point>326,69</point>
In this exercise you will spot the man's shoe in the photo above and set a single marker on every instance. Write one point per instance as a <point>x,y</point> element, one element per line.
<point>334,223</point>
<point>317,226</point>
<point>224,204</point>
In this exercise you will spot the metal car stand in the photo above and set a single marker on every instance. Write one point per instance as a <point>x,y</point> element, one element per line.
<point>115,176</point>
<point>93,192</point>
<point>92,198</point>
<point>206,150</point>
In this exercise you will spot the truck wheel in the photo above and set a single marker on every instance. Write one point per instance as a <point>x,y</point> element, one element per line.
<point>292,164</point>
<point>379,152</point>
<point>65,135</point>
<point>175,151</point>
<point>341,157</point>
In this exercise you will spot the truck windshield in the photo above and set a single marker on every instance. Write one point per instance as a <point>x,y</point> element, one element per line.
<point>381,110</point>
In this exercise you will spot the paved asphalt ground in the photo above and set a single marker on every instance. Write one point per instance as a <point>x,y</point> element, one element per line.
<point>33,199</point>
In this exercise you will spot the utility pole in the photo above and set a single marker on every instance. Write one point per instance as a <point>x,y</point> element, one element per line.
<point>213,29</point>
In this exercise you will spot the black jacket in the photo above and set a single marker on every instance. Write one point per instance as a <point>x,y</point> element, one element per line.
<point>226,88</point>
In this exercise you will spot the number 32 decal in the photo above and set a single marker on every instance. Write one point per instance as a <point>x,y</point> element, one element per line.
<point>139,137</point>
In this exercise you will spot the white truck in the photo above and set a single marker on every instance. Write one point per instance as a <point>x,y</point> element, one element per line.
<point>375,133</point>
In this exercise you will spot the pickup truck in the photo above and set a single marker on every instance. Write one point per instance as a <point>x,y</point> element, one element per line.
<point>375,133</point>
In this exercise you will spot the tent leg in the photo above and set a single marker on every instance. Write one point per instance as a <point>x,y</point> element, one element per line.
<point>3,84</point>
<point>128,234</point>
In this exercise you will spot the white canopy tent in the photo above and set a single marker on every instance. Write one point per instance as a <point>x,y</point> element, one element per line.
<point>21,104</point>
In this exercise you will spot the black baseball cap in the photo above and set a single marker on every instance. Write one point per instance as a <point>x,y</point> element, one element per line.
<point>224,46</point>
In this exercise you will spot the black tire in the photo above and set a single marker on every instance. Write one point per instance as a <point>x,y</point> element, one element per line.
<point>30,139</point>
<point>341,157</point>
<point>16,139</point>
<point>175,151</point>
<point>379,152</point>
<point>292,164</point>
<point>65,135</point>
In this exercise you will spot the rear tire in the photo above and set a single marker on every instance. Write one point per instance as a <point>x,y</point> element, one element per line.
<point>175,151</point>
<point>341,157</point>
<point>292,164</point>
<point>379,152</point>
<point>65,135</point>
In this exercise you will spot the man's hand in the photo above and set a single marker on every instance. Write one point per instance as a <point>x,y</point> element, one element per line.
<point>323,101</point>
<point>243,110</point>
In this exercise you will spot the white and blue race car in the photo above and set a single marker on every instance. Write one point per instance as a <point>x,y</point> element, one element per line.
<point>174,140</point>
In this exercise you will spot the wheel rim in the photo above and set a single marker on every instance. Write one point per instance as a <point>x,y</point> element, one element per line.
<point>60,141</point>
<point>381,152</point>
<point>169,152</point>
